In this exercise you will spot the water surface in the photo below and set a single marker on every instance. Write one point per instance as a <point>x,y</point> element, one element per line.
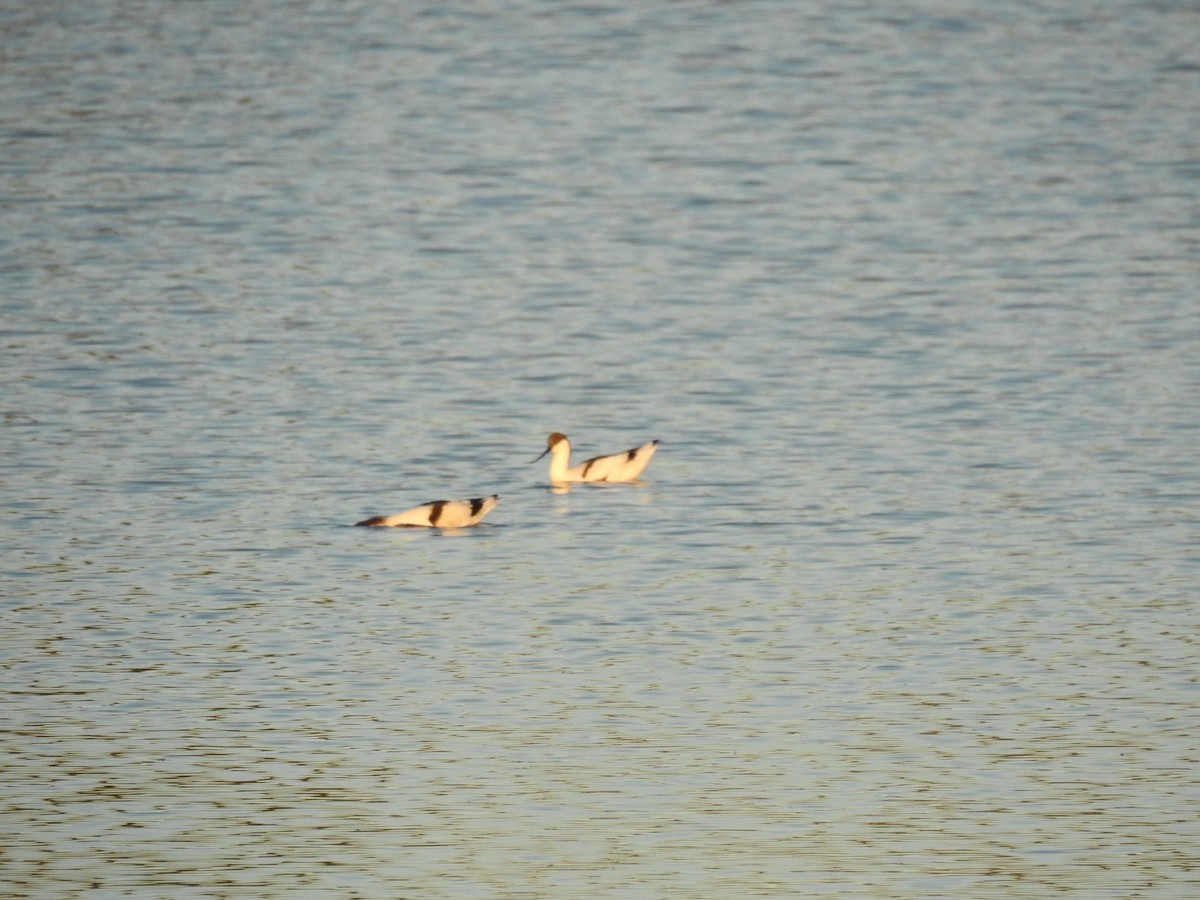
<point>906,605</point>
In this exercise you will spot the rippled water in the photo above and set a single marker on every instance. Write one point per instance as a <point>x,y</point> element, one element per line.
<point>907,604</point>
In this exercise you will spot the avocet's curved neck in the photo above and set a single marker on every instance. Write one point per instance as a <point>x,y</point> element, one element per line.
<point>560,461</point>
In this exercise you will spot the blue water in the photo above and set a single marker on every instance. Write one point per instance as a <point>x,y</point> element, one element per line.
<point>906,605</point>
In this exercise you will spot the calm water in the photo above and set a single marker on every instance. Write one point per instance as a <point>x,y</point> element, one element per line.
<point>907,605</point>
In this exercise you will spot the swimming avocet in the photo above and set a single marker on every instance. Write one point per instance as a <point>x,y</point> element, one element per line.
<point>625,466</point>
<point>439,514</point>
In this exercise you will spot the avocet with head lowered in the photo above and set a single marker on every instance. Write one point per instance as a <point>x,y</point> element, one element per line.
<point>439,514</point>
<point>618,467</point>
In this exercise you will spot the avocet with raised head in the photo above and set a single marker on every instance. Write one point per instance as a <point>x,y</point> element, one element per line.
<point>617,467</point>
<point>439,514</point>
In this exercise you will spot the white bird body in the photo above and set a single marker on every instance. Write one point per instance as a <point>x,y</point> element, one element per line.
<point>439,514</point>
<point>617,467</point>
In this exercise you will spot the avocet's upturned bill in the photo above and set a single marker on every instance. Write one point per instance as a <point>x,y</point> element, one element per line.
<point>439,514</point>
<point>618,467</point>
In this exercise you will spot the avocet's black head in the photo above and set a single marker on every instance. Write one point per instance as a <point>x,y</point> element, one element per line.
<point>551,443</point>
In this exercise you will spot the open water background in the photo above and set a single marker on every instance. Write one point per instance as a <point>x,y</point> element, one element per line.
<point>907,605</point>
